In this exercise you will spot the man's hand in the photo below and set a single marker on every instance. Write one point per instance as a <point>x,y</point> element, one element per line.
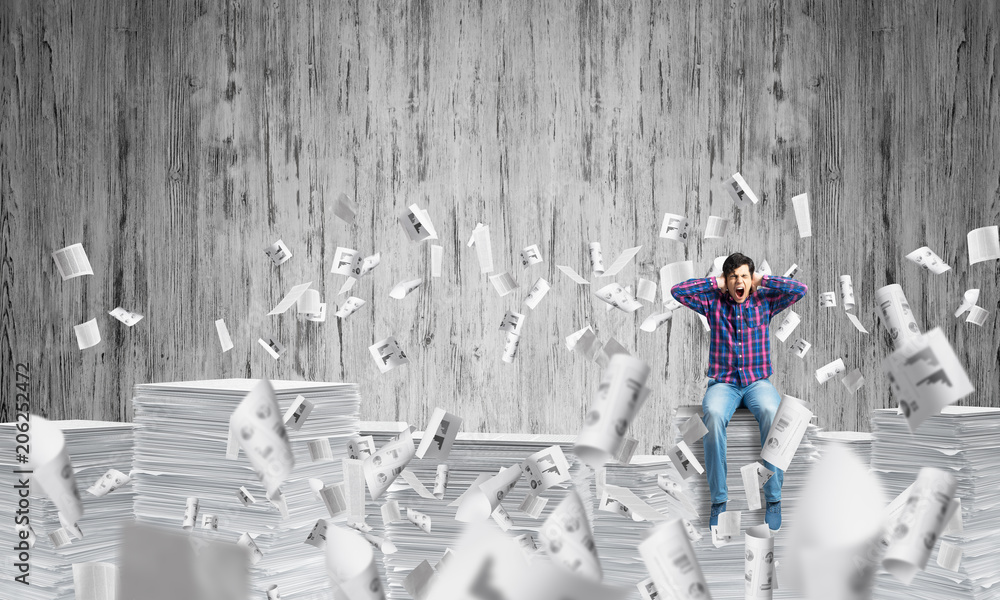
<point>757,278</point>
<point>720,282</point>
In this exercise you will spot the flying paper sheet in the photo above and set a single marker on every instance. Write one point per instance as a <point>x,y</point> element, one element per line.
<point>789,425</point>
<point>503,283</point>
<point>652,322</point>
<point>537,292</point>
<point>573,275</point>
<point>619,397</point>
<point>716,227</point>
<point>361,447</point>
<point>387,354</point>
<point>674,273</point>
<point>382,468</point>
<point>442,428</point>
<point>684,460</point>
<point>977,316</point>
<point>272,346</point>
<point>350,562</point>
<point>278,252</point>
<point>830,370</point>
<point>72,262</point>
<point>828,299</point>
<point>127,317</point>
<point>853,381</point>
<point>672,563</point>
<point>800,204</point>
<point>290,298</point>
<point>419,519</point>
<point>919,524</point>
<point>417,582</point>
<point>616,296</point>
<point>969,300</point>
<point>675,227</point>
<point>949,556</point>
<point>297,413</point>
<point>350,306</point>
<point>546,468</point>
<point>846,292</point>
<point>896,315</point>
<point>620,262</point>
<point>348,285</point>
<point>788,325</point>
<point>417,224</point>
<point>87,334</point>
<point>567,538</point>
<point>926,258</point>
<point>758,563</point>
<point>109,482</point>
<point>403,288</point>
<point>533,505</point>
<point>320,450</point>
<point>345,208</point>
<point>624,502</point>
<point>484,249</point>
<point>190,513</point>
<point>437,255</point>
<point>800,347</point>
<point>512,322</point>
<point>262,435</point>
<point>792,271</point>
<point>764,268</point>
<point>646,290</point>
<point>482,499</point>
<point>739,191</point>
<point>52,469</point>
<point>224,339</point>
<point>343,260</point>
<point>856,322</point>
<point>596,259</point>
<point>531,256</point>
<point>984,244</point>
<point>511,343</point>
<point>308,303</point>
<point>754,476</point>
<point>440,481</point>
<point>925,375</point>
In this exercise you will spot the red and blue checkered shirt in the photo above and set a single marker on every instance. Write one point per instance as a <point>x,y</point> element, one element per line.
<point>740,352</point>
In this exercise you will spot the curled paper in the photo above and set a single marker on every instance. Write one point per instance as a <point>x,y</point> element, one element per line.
<point>568,540</point>
<point>789,425</point>
<point>546,468</point>
<point>482,499</point>
<point>440,434</point>
<point>351,565</point>
<point>52,469</point>
<point>758,563</point>
<point>919,524</point>
<point>896,315</point>
<point>382,468</point>
<point>109,482</point>
<point>619,397</point>
<point>672,563</point>
<point>261,434</point>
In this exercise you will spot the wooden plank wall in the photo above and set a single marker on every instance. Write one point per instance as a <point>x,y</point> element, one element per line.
<point>176,140</point>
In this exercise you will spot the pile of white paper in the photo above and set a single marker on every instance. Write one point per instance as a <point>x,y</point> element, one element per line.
<point>94,448</point>
<point>182,437</point>
<point>965,442</point>
<point>724,567</point>
<point>472,455</point>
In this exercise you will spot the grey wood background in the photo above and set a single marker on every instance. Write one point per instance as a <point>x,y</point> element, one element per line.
<point>176,140</point>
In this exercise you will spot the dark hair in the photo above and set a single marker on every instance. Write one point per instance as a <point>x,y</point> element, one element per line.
<point>735,261</point>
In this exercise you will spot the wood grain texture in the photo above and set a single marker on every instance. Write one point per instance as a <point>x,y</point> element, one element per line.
<point>176,140</point>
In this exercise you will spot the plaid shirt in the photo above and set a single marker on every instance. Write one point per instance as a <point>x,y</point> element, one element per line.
<point>740,352</point>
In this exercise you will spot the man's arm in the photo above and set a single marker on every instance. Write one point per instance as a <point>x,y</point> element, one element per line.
<point>696,293</point>
<point>781,292</point>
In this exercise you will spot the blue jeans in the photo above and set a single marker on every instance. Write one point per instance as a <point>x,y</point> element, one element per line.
<point>721,401</point>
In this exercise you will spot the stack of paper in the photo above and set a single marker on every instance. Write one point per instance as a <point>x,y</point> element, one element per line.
<point>181,441</point>
<point>471,454</point>
<point>617,535</point>
<point>94,447</point>
<point>724,567</point>
<point>964,441</point>
<point>858,442</point>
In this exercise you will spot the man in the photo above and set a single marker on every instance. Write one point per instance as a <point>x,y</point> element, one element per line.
<point>739,307</point>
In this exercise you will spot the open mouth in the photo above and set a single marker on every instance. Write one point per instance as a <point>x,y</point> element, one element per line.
<point>741,291</point>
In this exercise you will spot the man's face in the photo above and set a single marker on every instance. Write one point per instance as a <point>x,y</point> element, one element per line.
<point>738,283</point>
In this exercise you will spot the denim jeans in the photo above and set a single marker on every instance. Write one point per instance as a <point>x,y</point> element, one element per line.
<point>721,401</point>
